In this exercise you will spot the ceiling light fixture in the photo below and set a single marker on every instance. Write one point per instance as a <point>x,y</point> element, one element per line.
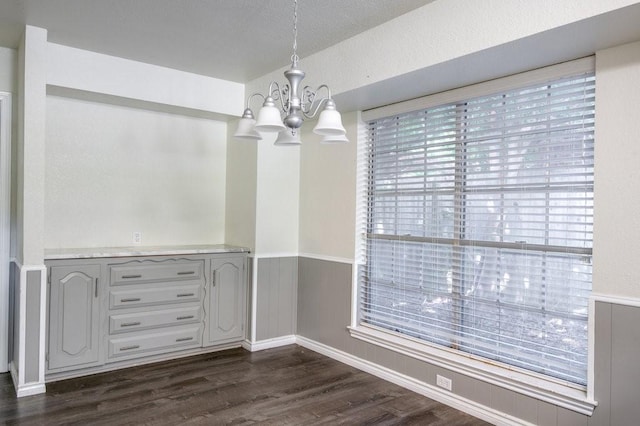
<point>295,107</point>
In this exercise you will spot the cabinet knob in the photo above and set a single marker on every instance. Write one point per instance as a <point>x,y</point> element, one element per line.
<point>186,317</point>
<point>128,348</point>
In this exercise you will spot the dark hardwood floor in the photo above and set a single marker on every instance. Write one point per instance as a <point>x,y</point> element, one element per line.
<point>283,386</point>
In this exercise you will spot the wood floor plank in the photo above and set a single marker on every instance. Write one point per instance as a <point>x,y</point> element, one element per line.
<point>282,386</point>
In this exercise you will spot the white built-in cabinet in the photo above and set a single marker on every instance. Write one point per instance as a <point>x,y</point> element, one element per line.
<point>110,313</point>
<point>225,294</point>
<point>74,316</point>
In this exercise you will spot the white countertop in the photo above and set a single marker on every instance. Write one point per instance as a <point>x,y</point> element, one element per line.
<point>95,252</point>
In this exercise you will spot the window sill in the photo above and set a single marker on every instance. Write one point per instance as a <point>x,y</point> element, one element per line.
<point>536,386</point>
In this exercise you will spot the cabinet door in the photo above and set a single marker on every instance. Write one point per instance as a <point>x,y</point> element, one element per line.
<point>225,316</point>
<point>74,316</point>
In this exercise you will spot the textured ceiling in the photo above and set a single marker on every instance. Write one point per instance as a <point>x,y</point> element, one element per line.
<point>235,40</point>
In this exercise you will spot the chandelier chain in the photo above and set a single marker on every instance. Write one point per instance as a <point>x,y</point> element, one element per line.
<point>294,57</point>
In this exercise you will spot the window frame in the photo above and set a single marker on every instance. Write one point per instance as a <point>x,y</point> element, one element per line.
<point>558,392</point>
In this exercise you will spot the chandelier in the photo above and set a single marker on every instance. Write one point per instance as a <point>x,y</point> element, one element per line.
<point>294,106</point>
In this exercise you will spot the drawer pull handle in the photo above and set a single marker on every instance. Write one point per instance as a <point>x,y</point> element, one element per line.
<point>186,273</point>
<point>131,299</point>
<point>184,317</point>
<point>185,295</point>
<point>129,324</point>
<point>128,348</point>
<point>184,339</point>
<point>126,277</point>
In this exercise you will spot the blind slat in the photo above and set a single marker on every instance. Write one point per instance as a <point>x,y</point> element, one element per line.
<point>478,224</point>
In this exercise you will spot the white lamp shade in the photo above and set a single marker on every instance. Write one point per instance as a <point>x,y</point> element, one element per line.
<point>269,120</point>
<point>329,123</point>
<point>285,137</point>
<point>246,130</point>
<point>334,139</point>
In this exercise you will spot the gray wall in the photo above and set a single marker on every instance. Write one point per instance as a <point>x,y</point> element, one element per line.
<point>617,364</point>
<point>32,319</point>
<point>324,303</point>
<point>14,305</point>
<point>276,297</point>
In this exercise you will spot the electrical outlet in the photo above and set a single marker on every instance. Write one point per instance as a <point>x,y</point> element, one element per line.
<point>137,237</point>
<point>443,382</point>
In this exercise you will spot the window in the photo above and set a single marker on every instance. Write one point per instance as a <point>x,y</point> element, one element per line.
<point>479,222</point>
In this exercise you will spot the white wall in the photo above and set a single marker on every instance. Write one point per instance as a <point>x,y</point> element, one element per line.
<point>112,170</point>
<point>242,164</point>
<point>30,146</point>
<point>451,43</point>
<point>9,83</point>
<point>8,77</point>
<point>92,72</point>
<point>277,198</point>
<point>327,193</point>
<point>617,200</point>
<point>616,241</point>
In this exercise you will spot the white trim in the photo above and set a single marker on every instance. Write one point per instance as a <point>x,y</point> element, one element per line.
<point>355,300</point>
<point>276,342</point>
<point>361,195</point>
<point>22,327</point>
<point>617,300</point>
<point>532,77</point>
<point>254,298</point>
<point>43,325</point>
<point>274,255</point>
<point>5,225</point>
<point>456,401</point>
<point>327,258</point>
<point>32,388</point>
<point>556,392</point>
<point>591,347</point>
<point>25,390</point>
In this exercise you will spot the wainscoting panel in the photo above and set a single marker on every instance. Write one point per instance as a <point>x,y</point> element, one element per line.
<point>32,341</point>
<point>276,297</point>
<point>602,365</point>
<point>14,275</point>
<point>324,297</point>
<point>249,298</point>
<point>324,302</point>
<point>625,365</point>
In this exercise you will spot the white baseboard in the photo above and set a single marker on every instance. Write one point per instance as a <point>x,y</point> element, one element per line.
<point>27,389</point>
<point>269,343</point>
<point>456,401</point>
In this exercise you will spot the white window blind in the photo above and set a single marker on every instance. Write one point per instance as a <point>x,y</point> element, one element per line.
<point>479,225</point>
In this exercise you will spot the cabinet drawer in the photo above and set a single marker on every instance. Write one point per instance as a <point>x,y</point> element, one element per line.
<point>149,272</point>
<point>153,296</point>
<point>122,323</point>
<point>150,343</point>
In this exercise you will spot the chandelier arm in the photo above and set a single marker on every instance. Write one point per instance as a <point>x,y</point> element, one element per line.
<point>312,110</point>
<point>252,96</point>
<point>276,93</point>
